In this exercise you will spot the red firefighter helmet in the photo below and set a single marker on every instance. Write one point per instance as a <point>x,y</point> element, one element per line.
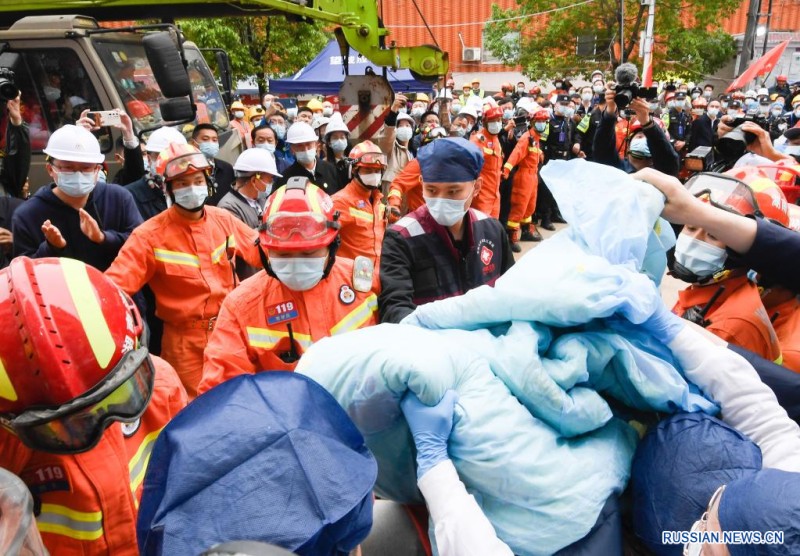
<point>493,113</point>
<point>138,109</point>
<point>299,216</point>
<point>746,191</point>
<point>541,115</point>
<point>178,160</point>
<point>786,174</point>
<point>507,86</point>
<point>368,155</point>
<point>72,355</point>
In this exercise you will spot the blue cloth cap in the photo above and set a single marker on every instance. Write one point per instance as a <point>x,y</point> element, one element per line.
<point>768,500</point>
<point>450,160</point>
<point>677,467</point>
<point>270,457</point>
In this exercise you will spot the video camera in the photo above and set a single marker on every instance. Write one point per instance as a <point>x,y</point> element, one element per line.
<point>8,87</point>
<point>627,89</point>
<point>734,144</point>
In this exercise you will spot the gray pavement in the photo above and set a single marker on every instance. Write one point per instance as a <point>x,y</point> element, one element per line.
<point>669,285</point>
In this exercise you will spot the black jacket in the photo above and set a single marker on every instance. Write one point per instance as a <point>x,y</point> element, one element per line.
<point>420,262</point>
<point>585,130</point>
<point>16,159</point>
<point>702,133</point>
<point>775,254</point>
<point>324,176</point>
<point>222,175</point>
<point>133,167</point>
<point>149,200</point>
<point>8,205</point>
<point>665,159</point>
<point>111,205</point>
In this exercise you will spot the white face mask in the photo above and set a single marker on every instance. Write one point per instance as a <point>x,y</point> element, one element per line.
<point>269,147</point>
<point>734,114</point>
<point>306,157</point>
<point>371,180</point>
<point>458,131</point>
<point>339,145</point>
<point>699,257</point>
<point>598,89</point>
<point>76,184</point>
<point>494,127</point>
<point>238,114</point>
<point>455,109</point>
<point>446,212</point>
<point>404,133</point>
<point>299,273</point>
<point>793,150</point>
<point>712,112</point>
<point>586,97</point>
<point>192,197</point>
<point>327,112</point>
<point>777,112</point>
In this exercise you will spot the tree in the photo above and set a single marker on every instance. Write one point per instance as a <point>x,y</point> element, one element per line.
<point>259,47</point>
<point>579,38</point>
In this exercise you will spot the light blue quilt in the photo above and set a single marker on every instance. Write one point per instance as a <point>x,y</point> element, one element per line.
<point>533,360</point>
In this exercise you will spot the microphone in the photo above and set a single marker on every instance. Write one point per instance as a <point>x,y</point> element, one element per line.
<point>626,74</point>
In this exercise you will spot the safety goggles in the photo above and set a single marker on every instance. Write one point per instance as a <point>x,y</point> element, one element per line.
<point>371,159</point>
<point>181,165</point>
<point>695,548</point>
<point>437,133</point>
<point>78,425</point>
<point>724,192</point>
<point>307,225</point>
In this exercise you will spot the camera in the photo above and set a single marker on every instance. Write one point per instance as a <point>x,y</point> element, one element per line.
<point>733,144</point>
<point>627,89</point>
<point>8,87</point>
<point>626,93</point>
<point>699,160</point>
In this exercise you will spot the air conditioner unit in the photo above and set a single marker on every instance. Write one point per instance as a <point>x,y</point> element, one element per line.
<point>471,54</point>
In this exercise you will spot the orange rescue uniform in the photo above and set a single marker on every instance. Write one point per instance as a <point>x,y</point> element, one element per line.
<point>363,219</point>
<point>527,155</point>
<point>488,199</point>
<point>243,129</point>
<point>787,327</point>
<point>738,316</point>
<point>253,325</point>
<point>88,502</point>
<point>407,184</point>
<point>187,264</point>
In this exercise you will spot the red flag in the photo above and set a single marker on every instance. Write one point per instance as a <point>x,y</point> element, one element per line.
<point>759,67</point>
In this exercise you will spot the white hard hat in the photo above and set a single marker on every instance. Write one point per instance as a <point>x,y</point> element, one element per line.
<point>336,123</point>
<point>527,104</point>
<point>407,117</point>
<point>763,92</point>
<point>162,137</point>
<point>256,160</point>
<point>469,110</point>
<point>491,101</point>
<point>300,132</point>
<point>750,94</point>
<point>319,122</point>
<point>74,144</point>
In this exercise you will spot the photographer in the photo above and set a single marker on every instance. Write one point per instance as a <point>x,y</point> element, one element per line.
<point>16,156</point>
<point>745,142</point>
<point>649,147</point>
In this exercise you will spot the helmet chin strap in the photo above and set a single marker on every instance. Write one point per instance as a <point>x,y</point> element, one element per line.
<point>685,275</point>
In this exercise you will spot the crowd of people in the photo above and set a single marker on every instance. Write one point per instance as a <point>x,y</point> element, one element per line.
<point>125,297</point>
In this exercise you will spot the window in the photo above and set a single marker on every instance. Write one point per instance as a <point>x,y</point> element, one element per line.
<point>509,48</point>
<point>55,90</point>
<point>127,64</point>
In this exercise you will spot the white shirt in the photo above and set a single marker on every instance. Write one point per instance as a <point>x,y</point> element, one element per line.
<point>460,526</point>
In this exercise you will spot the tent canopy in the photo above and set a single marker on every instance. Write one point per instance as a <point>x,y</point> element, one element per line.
<point>325,73</point>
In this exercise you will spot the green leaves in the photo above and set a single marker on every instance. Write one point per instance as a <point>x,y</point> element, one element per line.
<point>258,46</point>
<point>562,38</point>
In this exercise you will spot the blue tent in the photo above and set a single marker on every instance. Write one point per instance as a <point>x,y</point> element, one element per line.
<point>325,73</point>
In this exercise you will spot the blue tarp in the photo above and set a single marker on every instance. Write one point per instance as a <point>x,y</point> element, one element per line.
<point>325,73</point>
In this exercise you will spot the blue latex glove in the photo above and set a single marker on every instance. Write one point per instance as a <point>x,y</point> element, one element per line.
<point>664,324</point>
<point>430,426</point>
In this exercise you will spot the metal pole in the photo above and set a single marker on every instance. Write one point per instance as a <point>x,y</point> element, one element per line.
<point>647,65</point>
<point>621,31</point>
<point>749,36</point>
<point>766,27</point>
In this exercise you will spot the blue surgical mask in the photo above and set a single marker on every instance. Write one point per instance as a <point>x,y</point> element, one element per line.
<point>639,146</point>
<point>446,212</point>
<point>508,114</point>
<point>306,157</point>
<point>540,126</point>
<point>280,131</point>
<point>459,131</point>
<point>209,148</point>
<point>299,273</point>
<point>77,184</point>
<point>339,145</point>
<point>699,257</point>
<point>269,147</point>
